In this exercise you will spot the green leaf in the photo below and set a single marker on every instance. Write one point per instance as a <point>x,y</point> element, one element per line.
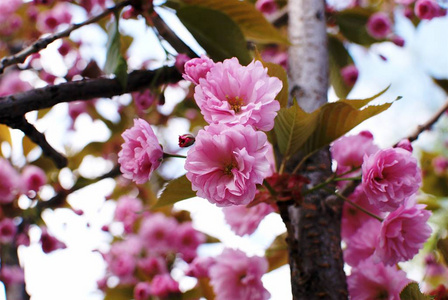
<point>292,128</point>
<point>119,293</point>
<point>338,59</point>
<point>297,130</point>
<point>215,32</point>
<point>176,190</point>
<point>115,62</point>
<point>352,24</point>
<point>412,292</point>
<point>277,253</point>
<point>252,23</point>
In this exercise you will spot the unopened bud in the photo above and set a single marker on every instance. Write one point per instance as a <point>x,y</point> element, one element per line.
<point>186,140</point>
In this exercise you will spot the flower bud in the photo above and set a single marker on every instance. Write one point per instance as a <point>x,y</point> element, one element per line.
<point>186,140</point>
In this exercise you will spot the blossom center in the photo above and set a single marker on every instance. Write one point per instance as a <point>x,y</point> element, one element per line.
<point>235,103</point>
<point>228,168</point>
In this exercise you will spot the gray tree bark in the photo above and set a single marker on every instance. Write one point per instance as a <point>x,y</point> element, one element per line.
<point>313,223</point>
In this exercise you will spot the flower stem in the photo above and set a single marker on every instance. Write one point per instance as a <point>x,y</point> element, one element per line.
<point>167,155</point>
<point>358,207</point>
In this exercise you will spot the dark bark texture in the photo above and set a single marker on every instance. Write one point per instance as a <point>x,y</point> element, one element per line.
<point>314,241</point>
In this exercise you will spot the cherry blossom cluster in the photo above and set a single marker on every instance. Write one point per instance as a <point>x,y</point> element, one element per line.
<point>230,156</point>
<point>151,246</point>
<point>382,223</point>
<point>13,226</point>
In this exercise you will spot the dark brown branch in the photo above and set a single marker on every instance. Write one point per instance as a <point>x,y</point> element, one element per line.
<point>171,37</point>
<point>42,43</point>
<point>14,107</point>
<point>37,137</point>
<point>18,105</point>
<point>427,126</point>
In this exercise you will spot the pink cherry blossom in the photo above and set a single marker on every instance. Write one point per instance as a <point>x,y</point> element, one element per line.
<point>235,94</point>
<point>226,163</point>
<point>152,265</point>
<point>142,291</point>
<point>181,60</point>
<point>353,218</point>
<point>348,151</point>
<point>187,240</point>
<point>376,281</point>
<point>128,211</point>
<point>379,25</point>
<point>236,276</point>
<point>403,233</point>
<point>266,6</point>
<point>350,74</point>
<point>163,285</point>
<point>33,178</point>
<point>197,68</point>
<point>7,230</point>
<point>157,232</point>
<point>406,145</point>
<point>426,9</point>
<point>200,267</point>
<point>362,244</point>
<point>389,177</point>
<point>122,258</point>
<point>140,153</point>
<point>245,220</point>
<point>143,100</point>
<point>10,183</point>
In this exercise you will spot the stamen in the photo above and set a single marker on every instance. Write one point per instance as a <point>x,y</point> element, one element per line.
<point>235,103</point>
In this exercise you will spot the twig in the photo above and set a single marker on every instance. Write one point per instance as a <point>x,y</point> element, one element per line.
<point>169,35</point>
<point>37,137</point>
<point>429,123</point>
<point>42,43</point>
<point>58,200</point>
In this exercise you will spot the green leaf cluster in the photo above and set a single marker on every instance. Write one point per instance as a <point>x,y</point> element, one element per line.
<point>115,62</point>
<point>223,28</point>
<point>297,130</point>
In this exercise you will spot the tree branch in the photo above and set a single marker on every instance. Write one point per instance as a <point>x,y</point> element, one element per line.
<point>37,137</point>
<point>427,126</point>
<point>17,105</point>
<point>42,43</point>
<point>166,33</point>
<point>14,107</point>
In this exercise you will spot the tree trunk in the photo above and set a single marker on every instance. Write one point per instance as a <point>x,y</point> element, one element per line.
<point>313,223</point>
